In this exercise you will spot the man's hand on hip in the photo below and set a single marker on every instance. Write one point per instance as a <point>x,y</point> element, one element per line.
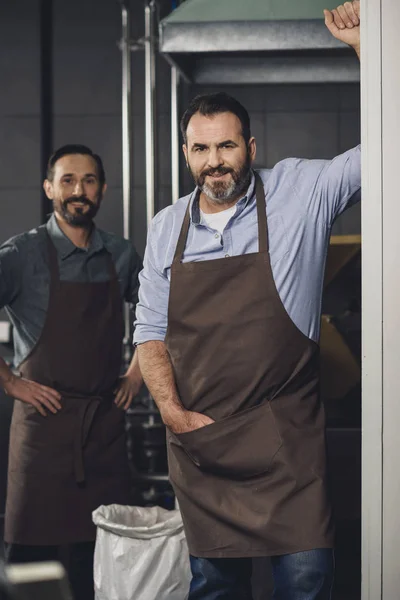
<point>344,23</point>
<point>128,387</point>
<point>39,396</point>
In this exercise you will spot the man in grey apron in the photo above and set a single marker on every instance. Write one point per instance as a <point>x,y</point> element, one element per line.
<point>63,286</point>
<point>227,331</point>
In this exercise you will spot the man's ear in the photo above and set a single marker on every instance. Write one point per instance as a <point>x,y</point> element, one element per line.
<point>103,190</point>
<point>252,148</point>
<point>185,152</point>
<point>48,188</point>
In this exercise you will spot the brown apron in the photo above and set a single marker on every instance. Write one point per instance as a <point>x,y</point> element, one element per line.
<point>63,466</point>
<point>253,483</point>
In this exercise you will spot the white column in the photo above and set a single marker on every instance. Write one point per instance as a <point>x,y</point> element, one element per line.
<point>391,298</point>
<point>380,89</point>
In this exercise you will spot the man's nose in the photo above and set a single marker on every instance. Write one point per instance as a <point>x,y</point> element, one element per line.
<point>215,159</point>
<point>78,189</point>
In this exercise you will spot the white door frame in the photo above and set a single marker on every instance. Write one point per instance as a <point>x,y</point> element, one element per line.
<point>380,113</point>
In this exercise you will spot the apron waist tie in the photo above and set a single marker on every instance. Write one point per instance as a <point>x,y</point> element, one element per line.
<point>87,408</point>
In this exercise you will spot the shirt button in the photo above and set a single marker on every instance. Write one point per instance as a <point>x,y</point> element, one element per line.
<point>216,235</point>
<point>226,255</point>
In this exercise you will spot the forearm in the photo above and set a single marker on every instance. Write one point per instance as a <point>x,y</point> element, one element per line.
<point>158,375</point>
<point>357,51</point>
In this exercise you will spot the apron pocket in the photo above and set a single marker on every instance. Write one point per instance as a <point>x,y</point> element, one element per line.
<point>240,446</point>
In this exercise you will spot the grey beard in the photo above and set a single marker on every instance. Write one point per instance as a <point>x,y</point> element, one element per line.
<point>221,195</point>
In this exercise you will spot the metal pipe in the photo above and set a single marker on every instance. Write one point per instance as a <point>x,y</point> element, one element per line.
<point>126,119</point>
<point>154,478</point>
<point>46,96</point>
<point>150,75</point>
<point>126,153</point>
<point>175,133</point>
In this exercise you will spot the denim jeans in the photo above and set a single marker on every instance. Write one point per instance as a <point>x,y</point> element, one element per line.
<point>300,576</point>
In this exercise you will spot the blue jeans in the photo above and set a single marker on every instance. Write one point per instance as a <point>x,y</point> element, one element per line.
<point>301,576</point>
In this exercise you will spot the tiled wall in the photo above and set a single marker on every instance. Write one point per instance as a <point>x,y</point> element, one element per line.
<point>305,121</point>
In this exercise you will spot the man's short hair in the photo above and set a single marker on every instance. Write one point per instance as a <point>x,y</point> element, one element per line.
<point>214,104</point>
<point>75,149</point>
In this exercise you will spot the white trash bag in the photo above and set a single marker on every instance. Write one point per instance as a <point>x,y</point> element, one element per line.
<point>141,554</point>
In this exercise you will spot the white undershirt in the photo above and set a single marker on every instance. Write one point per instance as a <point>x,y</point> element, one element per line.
<point>219,220</point>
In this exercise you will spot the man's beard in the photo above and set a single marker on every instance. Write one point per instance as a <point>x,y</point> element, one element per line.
<point>78,218</point>
<point>222,192</point>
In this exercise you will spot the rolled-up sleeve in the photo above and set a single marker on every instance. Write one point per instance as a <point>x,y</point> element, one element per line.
<point>152,308</point>
<point>135,266</point>
<point>329,187</point>
<point>10,274</point>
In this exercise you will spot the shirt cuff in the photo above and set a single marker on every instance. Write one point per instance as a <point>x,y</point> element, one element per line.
<point>143,335</point>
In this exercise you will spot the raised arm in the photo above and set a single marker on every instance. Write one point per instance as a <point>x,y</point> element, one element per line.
<point>344,23</point>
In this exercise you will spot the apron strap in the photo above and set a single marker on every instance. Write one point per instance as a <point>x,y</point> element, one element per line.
<point>87,409</point>
<point>261,216</point>
<point>53,258</point>
<point>111,268</point>
<point>180,247</point>
<point>86,414</point>
<point>263,244</point>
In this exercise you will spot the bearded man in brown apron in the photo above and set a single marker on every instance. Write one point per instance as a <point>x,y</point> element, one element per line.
<point>63,286</point>
<point>227,330</point>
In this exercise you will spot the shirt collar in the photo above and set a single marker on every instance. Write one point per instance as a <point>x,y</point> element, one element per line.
<point>241,204</point>
<point>64,246</point>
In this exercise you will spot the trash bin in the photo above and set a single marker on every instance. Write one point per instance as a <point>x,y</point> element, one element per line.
<point>141,554</point>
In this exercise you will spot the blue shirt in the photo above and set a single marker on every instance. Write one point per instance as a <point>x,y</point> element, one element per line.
<point>25,275</point>
<point>303,199</point>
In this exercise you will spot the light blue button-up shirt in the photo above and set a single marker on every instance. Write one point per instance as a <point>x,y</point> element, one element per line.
<point>303,199</point>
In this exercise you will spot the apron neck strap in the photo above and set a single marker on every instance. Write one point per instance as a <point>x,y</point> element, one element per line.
<point>261,216</point>
<point>180,247</point>
<point>262,224</point>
